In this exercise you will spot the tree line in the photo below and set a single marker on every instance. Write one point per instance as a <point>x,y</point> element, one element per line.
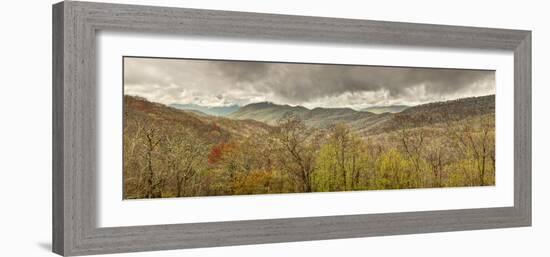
<point>179,161</point>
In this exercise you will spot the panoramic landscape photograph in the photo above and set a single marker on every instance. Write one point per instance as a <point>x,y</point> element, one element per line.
<point>197,127</point>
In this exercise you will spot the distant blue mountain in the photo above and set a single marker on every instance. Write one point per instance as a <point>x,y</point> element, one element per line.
<point>209,110</point>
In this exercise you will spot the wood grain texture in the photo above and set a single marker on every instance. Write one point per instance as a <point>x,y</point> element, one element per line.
<point>75,25</point>
<point>522,128</point>
<point>57,131</point>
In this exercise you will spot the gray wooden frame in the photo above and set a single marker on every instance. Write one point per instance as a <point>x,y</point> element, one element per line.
<point>75,25</point>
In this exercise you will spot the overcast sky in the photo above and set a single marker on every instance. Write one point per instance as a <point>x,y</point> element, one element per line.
<point>223,83</point>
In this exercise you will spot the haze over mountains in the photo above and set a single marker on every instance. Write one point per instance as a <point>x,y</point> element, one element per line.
<point>383,109</point>
<point>250,117</point>
<point>209,110</point>
<point>367,121</point>
<point>318,117</point>
<point>270,113</point>
<point>212,128</point>
<point>228,110</point>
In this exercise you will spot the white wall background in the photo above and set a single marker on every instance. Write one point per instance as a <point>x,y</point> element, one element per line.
<point>25,128</point>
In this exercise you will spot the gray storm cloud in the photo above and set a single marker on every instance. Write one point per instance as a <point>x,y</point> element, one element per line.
<point>219,83</point>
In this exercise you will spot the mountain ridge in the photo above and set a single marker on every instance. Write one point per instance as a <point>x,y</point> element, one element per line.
<point>258,118</point>
<point>209,110</point>
<point>386,108</point>
<point>214,128</point>
<point>320,117</point>
<point>366,121</point>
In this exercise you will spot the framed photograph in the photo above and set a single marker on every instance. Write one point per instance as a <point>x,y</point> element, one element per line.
<point>181,128</point>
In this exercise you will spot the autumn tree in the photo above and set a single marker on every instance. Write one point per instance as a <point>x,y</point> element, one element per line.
<point>437,158</point>
<point>298,146</point>
<point>185,154</point>
<point>412,137</point>
<point>133,131</point>
<point>475,141</point>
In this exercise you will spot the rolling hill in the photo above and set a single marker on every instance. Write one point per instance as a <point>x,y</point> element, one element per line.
<point>259,118</point>
<point>211,127</point>
<point>270,113</point>
<point>365,121</point>
<point>438,112</point>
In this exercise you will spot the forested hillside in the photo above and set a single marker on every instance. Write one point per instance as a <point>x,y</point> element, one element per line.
<point>266,148</point>
<point>368,122</point>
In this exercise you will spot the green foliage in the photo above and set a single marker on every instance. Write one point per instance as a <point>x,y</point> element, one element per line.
<point>393,171</point>
<point>342,161</point>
